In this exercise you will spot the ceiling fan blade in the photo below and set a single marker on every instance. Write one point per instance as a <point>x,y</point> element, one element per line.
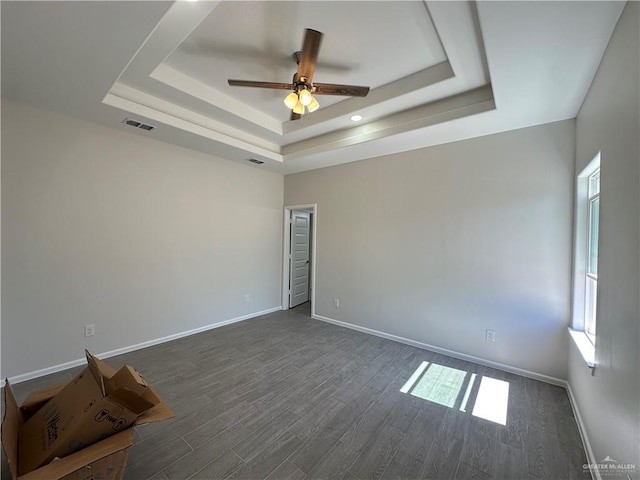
<point>309,54</point>
<point>295,116</point>
<point>251,83</point>
<point>263,57</point>
<point>335,89</point>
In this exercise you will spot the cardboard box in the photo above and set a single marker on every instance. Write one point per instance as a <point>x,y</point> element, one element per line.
<point>104,459</point>
<point>97,403</point>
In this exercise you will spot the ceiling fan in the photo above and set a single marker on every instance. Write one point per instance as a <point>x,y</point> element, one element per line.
<point>302,88</point>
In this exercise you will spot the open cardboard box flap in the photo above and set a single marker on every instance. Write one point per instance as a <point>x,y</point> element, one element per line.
<point>100,370</point>
<point>11,425</point>
<point>37,399</point>
<point>15,416</point>
<point>128,388</point>
<point>69,464</point>
<point>161,411</point>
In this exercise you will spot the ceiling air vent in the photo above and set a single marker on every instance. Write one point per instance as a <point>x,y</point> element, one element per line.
<point>137,124</point>
<point>256,161</point>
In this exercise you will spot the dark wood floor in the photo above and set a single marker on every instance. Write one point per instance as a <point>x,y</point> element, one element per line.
<point>287,397</point>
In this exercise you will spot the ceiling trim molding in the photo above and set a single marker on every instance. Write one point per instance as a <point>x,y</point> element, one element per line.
<point>169,108</point>
<point>466,55</point>
<point>410,84</point>
<point>178,22</point>
<point>188,126</point>
<point>197,89</point>
<point>462,105</point>
<point>444,91</point>
<point>147,71</point>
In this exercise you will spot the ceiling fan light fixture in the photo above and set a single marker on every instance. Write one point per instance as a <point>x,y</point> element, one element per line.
<point>305,97</point>
<point>314,105</point>
<point>301,98</point>
<point>291,100</point>
<point>298,108</point>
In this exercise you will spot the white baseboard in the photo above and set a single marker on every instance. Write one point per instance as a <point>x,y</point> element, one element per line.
<point>444,351</point>
<point>112,353</point>
<point>591,459</point>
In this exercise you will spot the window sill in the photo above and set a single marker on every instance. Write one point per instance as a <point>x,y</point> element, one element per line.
<point>586,348</point>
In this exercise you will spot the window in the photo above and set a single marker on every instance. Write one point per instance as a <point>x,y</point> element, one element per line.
<point>591,275</point>
<point>585,288</point>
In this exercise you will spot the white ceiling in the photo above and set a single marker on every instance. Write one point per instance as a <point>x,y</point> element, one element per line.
<point>438,71</point>
<point>259,46</point>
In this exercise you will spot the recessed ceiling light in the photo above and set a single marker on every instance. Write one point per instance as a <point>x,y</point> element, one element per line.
<point>356,118</point>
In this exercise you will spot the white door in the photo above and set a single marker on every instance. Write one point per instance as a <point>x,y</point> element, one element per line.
<point>299,259</point>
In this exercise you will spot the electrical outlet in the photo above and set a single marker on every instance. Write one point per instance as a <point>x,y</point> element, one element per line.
<point>336,303</point>
<point>490,336</point>
<point>89,330</point>
<point>247,298</point>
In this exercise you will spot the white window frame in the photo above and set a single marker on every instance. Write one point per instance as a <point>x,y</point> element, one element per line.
<point>584,323</point>
<point>591,271</point>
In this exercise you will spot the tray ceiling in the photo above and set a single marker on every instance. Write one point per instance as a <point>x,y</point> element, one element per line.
<point>260,46</point>
<point>438,71</point>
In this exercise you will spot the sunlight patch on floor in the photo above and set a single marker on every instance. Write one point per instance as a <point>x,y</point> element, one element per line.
<point>440,384</point>
<point>454,388</point>
<point>492,401</point>
<point>465,399</point>
<point>414,378</point>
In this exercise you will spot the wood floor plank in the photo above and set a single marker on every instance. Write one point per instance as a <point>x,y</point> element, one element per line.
<point>515,430</point>
<point>207,452</point>
<point>539,411</point>
<point>334,463</point>
<point>414,447</point>
<point>326,437</point>
<point>218,424</point>
<point>287,471</point>
<point>545,457</point>
<point>377,454</point>
<point>568,434</point>
<point>372,373</point>
<point>348,476</point>
<point>185,421</point>
<point>221,467</point>
<point>480,444</point>
<point>150,456</point>
<point>579,470</point>
<point>310,422</point>
<point>403,466</point>
<point>352,443</point>
<point>406,408</point>
<point>285,397</point>
<point>269,458</point>
<point>467,472</point>
<point>159,476</point>
<point>511,463</point>
<point>263,436</point>
<point>442,459</point>
<point>423,431</point>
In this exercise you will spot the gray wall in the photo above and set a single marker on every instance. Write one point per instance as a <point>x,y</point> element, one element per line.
<point>609,121</point>
<point>437,245</point>
<point>141,238</point>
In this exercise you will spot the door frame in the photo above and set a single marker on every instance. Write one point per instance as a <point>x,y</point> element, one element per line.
<point>313,208</point>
